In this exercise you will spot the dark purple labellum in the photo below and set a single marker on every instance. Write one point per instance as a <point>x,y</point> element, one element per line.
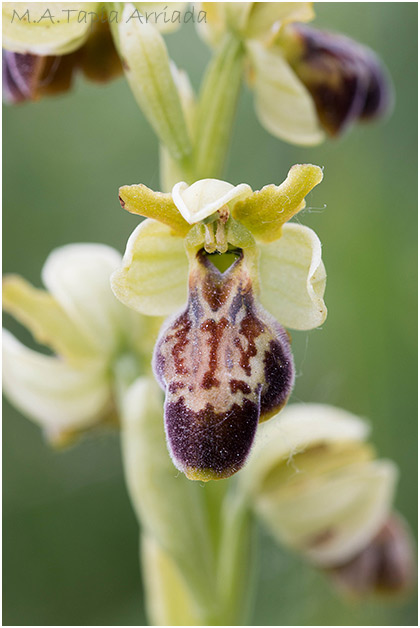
<point>346,80</point>
<point>225,364</point>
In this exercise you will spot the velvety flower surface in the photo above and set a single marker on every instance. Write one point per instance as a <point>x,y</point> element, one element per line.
<point>79,319</point>
<point>225,364</point>
<point>224,361</point>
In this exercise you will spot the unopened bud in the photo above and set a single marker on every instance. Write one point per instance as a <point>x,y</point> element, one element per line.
<point>347,81</point>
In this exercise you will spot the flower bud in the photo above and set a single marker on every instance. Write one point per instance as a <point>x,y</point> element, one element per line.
<point>385,565</point>
<point>346,80</point>
<point>32,76</point>
<point>225,364</point>
<point>29,77</point>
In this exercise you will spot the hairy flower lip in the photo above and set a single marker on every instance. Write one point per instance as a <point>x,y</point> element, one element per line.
<point>225,364</point>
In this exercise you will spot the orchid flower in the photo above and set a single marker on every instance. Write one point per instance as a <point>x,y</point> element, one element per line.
<point>306,81</point>
<point>89,331</point>
<point>224,361</point>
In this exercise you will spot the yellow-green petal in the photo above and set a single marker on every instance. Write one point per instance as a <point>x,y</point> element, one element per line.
<point>58,397</point>
<point>293,278</point>
<point>47,28</point>
<point>154,273</point>
<point>141,200</point>
<point>45,318</point>
<point>264,212</point>
<point>283,104</point>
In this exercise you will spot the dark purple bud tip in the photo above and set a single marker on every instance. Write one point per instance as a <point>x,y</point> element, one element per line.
<point>347,81</point>
<point>30,77</point>
<point>385,566</point>
<point>225,364</point>
<point>21,74</point>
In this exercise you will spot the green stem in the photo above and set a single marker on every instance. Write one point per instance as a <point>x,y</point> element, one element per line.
<point>236,560</point>
<point>216,108</point>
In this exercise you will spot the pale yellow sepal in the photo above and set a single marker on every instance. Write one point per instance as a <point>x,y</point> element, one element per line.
<point>147,67</point>
<point>331,517</point>
<point>264,212</point>
<point>267,18</point>
<point>154,271</point>
<point>298,428</point>
<point>283,104</point>
<point>213,28</point>
<point>294,295</point>
<point>203,198</point>
<point>57,396</point>
<point>141,200</point>
<point>314,482</point>
<point>45,318</point>
<point>48,28</point>
<point>77,275</point>
<point>250,20</point>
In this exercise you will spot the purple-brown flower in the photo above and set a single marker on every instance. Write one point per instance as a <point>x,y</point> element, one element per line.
<point>225,364</point>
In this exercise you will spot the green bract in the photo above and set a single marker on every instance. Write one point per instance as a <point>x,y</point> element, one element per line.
<point>217,215</point>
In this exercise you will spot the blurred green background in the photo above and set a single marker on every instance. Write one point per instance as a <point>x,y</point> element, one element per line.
<point>70,536</point>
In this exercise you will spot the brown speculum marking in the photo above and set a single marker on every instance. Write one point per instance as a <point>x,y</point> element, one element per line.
<point>225,364</point>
